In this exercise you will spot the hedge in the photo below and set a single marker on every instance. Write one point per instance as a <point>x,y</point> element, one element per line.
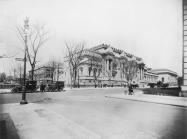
<point>162,91</point>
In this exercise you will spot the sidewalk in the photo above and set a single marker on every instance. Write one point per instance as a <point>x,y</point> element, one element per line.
<point>32,121</point>
<point>89,88</point>
<point>139,96</point>
<point>8,91</point>
<point>5,91</point>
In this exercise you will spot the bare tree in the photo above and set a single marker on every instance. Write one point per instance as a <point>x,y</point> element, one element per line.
<point>129,69</point>
<point>95,66</point>
<point>2,77</point>
<point>74,59</point>
<point>18,72</point>
<point>36,37</point>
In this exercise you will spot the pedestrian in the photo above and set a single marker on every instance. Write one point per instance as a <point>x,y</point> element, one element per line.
<point>42,87</point>
<point>180,92</point>
<point>130,89</point>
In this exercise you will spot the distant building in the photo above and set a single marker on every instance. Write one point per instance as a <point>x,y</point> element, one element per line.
<point>47,74</point>
<point>166,76</point>
<point>150,77</point>
<point>42,74</point>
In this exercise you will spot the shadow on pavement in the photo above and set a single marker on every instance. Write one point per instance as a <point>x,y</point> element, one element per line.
<point>7,128</point>
<point>176,129</point>
<point>1,102</point>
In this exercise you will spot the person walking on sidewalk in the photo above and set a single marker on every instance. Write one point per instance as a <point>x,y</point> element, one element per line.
<point>42,87</point>
<point>130,89</point>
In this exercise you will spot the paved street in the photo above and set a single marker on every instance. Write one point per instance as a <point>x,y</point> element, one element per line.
<point>112,118</point>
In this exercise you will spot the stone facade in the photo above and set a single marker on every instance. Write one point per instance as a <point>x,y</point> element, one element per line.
<point>167,76</point>
<point>184,50</point>
<point>108,64</point>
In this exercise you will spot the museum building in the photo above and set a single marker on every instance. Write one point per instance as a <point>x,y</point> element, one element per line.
<point>104,65</point>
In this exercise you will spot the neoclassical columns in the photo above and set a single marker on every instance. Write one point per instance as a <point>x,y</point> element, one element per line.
<point>108,64</point>
<point>141,73</point>
<point>111,65</point>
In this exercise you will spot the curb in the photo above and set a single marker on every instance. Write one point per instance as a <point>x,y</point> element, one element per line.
<point>80,89</point>
<point>6,93</point>
<point>176,105</point>
<point>89,89</point>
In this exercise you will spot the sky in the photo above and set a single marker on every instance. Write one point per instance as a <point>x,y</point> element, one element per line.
<point>150,29</point>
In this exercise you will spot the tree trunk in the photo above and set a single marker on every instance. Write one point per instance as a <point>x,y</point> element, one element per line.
<point>75,77</point>
<point>71,75</point>
<point>78,80</point>
<point>95,82</point>
<point>58,73</point>
<point>32,73</point>
<point>52,75</point>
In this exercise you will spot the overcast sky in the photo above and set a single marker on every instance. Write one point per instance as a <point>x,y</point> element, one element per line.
<point>150,29</point>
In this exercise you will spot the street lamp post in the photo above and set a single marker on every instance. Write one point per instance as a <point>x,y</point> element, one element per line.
<point>26,27</point>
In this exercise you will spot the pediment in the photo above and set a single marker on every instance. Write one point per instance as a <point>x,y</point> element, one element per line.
<point>108,51</point>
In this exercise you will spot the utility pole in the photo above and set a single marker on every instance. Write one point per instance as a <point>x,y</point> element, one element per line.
<point>26,27</point>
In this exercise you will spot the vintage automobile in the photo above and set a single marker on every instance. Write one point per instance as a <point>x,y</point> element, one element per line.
<point>30,87</point>
<point>54,87</point>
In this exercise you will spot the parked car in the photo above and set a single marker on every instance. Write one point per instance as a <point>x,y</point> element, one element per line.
<point>16,89</point>
<point>54,87</point>
<point>30,87</point>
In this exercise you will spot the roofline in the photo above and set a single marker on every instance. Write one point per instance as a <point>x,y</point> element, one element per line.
<point>115,50</point>
<point>162,71</point>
